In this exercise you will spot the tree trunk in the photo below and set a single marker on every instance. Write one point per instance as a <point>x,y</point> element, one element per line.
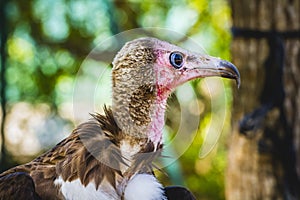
<point>264,152</point>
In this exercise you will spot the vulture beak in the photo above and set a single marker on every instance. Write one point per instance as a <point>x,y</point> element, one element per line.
<point>206,66</point>
<point>228,70</point>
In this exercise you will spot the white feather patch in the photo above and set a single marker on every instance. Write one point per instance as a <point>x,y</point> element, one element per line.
<point>144,186</point>
<point>74,190</point>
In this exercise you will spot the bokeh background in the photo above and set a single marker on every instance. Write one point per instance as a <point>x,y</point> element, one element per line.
<point>46,42</point>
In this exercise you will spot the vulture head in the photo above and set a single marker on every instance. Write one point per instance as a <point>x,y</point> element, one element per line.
<point>145,72</point>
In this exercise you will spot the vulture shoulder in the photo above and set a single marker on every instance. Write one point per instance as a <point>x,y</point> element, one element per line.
<point>82,155</point>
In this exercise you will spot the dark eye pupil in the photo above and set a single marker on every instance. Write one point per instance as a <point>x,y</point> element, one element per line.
<point>176,59</point>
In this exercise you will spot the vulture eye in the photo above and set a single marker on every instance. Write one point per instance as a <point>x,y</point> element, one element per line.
<point>176,60</point>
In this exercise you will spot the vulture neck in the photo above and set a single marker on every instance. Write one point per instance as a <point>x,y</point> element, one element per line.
<point>138,104</point>
<point>158,122</point>
<point>141,119</point>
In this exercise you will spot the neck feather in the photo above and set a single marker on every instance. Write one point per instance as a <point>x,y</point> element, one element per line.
<point>141,118</point>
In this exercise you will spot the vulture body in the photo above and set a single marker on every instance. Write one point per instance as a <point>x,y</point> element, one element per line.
<point>110,156</point>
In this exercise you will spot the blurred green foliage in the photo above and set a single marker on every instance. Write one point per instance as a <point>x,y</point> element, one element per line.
<point>47,42</point>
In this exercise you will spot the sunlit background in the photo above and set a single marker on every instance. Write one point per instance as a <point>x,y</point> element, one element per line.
<point>47,45</point>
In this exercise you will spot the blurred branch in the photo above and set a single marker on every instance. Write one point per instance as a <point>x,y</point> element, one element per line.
<point>3,82</point>
<point>114,27</point>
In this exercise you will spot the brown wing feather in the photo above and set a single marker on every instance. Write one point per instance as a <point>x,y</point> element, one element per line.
<point>81,155</point>
<point>18,185</point>
<point>90,153</point>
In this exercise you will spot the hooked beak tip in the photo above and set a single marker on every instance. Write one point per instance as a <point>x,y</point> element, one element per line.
<point>229,70</point>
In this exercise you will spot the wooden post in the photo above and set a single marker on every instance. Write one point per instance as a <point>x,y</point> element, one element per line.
<point>264,153</point>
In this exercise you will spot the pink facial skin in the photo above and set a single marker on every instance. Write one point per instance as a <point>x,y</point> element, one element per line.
<point>168,78</point>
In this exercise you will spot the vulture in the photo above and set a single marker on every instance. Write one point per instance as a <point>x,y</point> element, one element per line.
<point>110,156</point>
